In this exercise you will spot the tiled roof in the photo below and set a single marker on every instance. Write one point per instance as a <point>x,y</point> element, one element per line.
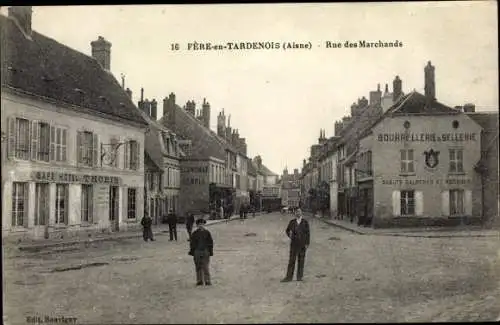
<point>47,69</point>
<point>204,143</point>
<point>150,164</point>
<point>487,120</point>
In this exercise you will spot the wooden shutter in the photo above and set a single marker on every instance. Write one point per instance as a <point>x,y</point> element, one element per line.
<point>79,146</point>
<point>52,143</point>
<point>396,203</point>
<point>35,139</point>
<point>64,141</point>
<point>445,203</point>
<point>126,162</point>
<point>468,202</point>
<point>12,139</point>
<point>95,150</point>
<point>137,155</point>
<point>419,203</point>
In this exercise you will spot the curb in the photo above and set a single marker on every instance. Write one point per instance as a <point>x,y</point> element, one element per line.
<point>37,247</point>
<point>338,226</point>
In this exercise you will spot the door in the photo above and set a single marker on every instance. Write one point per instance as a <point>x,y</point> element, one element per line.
<point>114,221</point>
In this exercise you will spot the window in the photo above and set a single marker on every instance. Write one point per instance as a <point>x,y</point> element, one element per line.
<point>407,161</point>
<point>155,182</point>
<point>87,210</point>
<point>457,202</point>
<point>131,203</point>
<point>19,204</point>
<point>21,139</point>
<point>132,155</point>
<point>88,148</point>
<point>61,204</point>
<point>41,203</point>
<point>407,203</point>
<point>456,160</point>
<point>40,141</point>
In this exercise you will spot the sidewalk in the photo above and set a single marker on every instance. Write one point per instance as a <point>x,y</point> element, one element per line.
<point>37,245</point>
<point>426,232</point>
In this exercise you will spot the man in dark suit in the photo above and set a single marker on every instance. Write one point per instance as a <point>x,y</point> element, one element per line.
<point>299,233</point>
<point>201,247</point>
<point>147,232</point>
<point>172,225</point>
<point>189,224</point>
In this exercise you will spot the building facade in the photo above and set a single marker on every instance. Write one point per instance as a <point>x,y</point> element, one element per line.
<point>71,164</point>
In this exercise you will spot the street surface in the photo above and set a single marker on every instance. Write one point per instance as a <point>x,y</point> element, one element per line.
<point>348,278</point>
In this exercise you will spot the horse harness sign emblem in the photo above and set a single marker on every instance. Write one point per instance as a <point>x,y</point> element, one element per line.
<point>431,158</point>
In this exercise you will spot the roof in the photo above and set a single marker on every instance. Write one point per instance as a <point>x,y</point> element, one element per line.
<point>204,143</point>
<point>150,164</point>
<point>266,171</point>
<point>487,120</point>
<point>45,68</point>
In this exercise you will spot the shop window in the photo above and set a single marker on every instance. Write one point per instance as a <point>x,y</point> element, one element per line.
<point>87,203</point>
<point>41,203</point>
<point>131,203</point>
<point>407,162</point>
<point>407,203</point>
<point>61,210</point>
<point>457,202</point>
<point>456,160</point>
<point>19,204</point>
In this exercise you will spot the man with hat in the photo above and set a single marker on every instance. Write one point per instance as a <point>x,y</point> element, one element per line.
<point>299,233</point>
<point>201,248</point>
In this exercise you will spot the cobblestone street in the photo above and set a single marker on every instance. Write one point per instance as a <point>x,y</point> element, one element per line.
<point>348,278</point>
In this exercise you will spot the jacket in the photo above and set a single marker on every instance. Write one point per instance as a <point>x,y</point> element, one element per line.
<point>298,233</point>
<point>201,240</point>
<point>171,219</point>
<point>146,222</point>
<point>190,220</point>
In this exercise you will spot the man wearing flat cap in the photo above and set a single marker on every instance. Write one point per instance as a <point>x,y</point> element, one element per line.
<point>201,248</point>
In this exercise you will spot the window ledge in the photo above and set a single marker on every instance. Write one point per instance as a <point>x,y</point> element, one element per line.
<point>456,174</point>
<point>407,174</point>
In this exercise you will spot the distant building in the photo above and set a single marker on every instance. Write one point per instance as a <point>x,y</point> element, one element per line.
<point>290,188</point>
<point>73,160</point>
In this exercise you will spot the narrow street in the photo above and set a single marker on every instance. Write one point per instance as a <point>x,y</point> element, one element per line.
<point>348,278</point>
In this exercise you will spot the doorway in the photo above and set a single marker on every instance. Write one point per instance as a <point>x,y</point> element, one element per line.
<point>114,220</point>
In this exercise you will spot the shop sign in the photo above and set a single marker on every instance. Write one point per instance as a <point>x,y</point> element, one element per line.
<point>73,178</point>
<point>428,181</point>
<point>426,137</point>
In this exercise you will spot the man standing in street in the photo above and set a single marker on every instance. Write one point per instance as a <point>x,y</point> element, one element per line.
<point>147,232</point>
<point>189,224</point>
<point>201,248</point>
<point>299,234</point>
<point>172,225</point>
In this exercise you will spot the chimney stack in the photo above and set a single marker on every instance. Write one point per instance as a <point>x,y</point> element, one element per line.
<point>386,92</point>
<point>129,92</point>
<point>153,110</point>
<point>169,110</point>
<point>146,106</point>
<point>221,124</point>
<point>397,89</point>
<point>469,108</point>
<point>205,113</point>
<point>101,51</point>
<point>191,107</point>
<point>430,84</point>
<point>376,97</point>
<point>354,109</point>
<point>23,16</point>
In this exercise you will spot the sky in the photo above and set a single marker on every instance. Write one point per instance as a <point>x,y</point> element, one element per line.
<point>280,99</point>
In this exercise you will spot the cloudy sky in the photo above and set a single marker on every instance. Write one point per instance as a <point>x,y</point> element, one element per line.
<point>279,99</point>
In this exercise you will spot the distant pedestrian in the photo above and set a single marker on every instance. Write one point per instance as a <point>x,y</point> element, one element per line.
<point>201,248</point>
<point>245,211</point>
<point>172,225</point>
<point>299,233</point>
<point>147,232</point>
<point>189,224</point>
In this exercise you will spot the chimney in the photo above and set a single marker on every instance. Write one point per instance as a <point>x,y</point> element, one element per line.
<point>101,51</point>
<point>221,124</point>
<point>362,102</point>
<point>295,171</point>
<point>205,112</point>
<point>346,120</point>
<point>191,107</point>
<point>430,84</point>
<point>228,128</point>
<point>338,128</point>
<point>397,89</point>
<point>354,109</point>
<point>169,108</point>
<point>146,106</point>
<point>304,163</point>
<point>386,91</point>
<point>376,97</point>
<point>129,92</point>
<point>469,108</point>
<point>22,15</point>
<point>153,110</point>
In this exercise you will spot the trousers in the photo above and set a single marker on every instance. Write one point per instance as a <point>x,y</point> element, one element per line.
<point>147,233</point>
<point>201,263</point>
<point>172,229</point>
<point>296,253</point>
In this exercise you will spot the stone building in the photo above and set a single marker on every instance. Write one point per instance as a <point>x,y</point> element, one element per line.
<point>73,157</point>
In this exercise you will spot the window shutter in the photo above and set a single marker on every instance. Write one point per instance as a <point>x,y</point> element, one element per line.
<point>52,148</point>
<point>468,202</point>
<point>95,150</point>
<point>126,161</point>
<point>35,139</point>
<point>445,203</point>
<point>11,145</point>
<point>396,203</point>
<point>64,141</point>
<point>137,155</point>
<point>419,203</point>
<point>79,146</point>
